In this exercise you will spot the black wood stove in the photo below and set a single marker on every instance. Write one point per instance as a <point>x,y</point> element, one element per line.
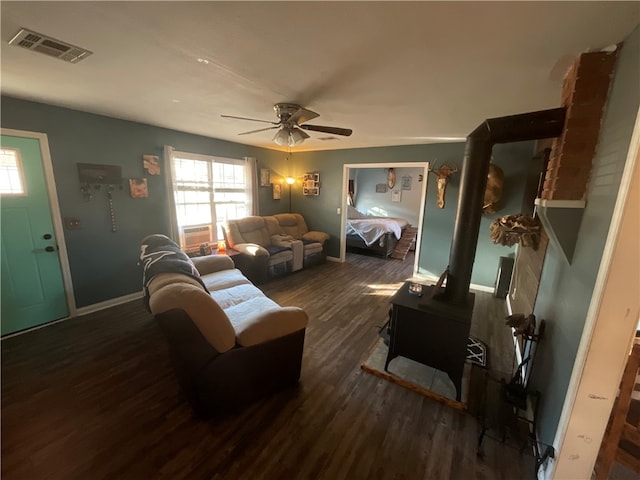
<point>440,320</point>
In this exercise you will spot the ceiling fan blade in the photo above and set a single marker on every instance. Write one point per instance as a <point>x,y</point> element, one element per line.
<point>333,130</point>
<point>303,115</point>
<point>251,119</point>
<point>259,130</point>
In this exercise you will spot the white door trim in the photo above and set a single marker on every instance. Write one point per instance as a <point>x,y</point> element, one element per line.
<point>55,210</point>
<point>345,190</point>
<point>609,329</point>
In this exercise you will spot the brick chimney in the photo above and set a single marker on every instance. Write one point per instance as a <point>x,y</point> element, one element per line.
<point>584,95</point>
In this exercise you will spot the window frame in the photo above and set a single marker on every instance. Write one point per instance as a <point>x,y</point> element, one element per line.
<point>210,187</point>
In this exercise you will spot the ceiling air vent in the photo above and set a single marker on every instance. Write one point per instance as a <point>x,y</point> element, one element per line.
<point>49,46</point>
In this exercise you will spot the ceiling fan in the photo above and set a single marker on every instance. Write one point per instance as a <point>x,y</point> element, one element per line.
<point>292,126</point>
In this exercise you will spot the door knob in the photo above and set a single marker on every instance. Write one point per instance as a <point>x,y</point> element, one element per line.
<point>47,236</point>
<point>50,249</point>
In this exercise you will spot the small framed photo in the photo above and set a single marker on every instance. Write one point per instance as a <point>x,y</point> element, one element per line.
<point>381,188</point>
<point>138,187</point>
<point>265,177</point>
<point>151,163</point>
<point>396,196</point>
<point>406,183</point>
<point>277,191</point>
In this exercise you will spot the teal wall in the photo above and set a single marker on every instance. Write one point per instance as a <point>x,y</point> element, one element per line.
<point>566,289</point>
<point>103,263</point>
<point>513,158</point>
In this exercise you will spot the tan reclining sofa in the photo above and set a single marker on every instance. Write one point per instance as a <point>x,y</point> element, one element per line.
<point>229,345</point>
<point>275,244</point>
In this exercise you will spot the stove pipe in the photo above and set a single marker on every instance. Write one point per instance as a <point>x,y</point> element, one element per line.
<point>473,180</point>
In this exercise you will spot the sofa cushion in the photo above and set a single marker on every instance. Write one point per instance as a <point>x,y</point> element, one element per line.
<point>205,313</point>
<point>247,230</point>
<point>273,227</point>
<point>232,296</point>
<point>311,248</point>
<point>274,249</point>
<point>212,263</point>
<point>319,237</point>
<point>224,279</point>
<point>271,322</point>
<point>292,224</point>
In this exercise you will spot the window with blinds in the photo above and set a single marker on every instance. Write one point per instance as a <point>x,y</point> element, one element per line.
<point>11,173</point>
<point>208,191</point>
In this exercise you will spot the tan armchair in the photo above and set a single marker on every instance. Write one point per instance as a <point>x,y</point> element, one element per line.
<point>294,225</point>
<point>261,255</point>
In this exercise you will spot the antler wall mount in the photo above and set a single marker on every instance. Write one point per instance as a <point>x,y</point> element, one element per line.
<point>442,173</point>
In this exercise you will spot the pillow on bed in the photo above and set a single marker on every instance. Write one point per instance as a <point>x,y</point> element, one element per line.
<point>352,212</point>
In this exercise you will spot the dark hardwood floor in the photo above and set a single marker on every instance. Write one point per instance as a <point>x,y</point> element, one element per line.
<point>95,398</point>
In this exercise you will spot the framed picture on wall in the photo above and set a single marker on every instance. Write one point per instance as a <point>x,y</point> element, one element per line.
<point>138,187</point>
<point>265,179</point>
<point>406,183</point>
<point>396,196</point>
<point>381,188</point>
<point>151,163</point>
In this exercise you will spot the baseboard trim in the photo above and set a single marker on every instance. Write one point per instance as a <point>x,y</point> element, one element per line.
<point>333,259</point>
<point>108,303</point>
<point>432,278</point>
<point>79,312</point>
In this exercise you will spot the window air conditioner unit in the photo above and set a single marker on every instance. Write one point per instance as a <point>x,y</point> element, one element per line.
<point>193,236</point>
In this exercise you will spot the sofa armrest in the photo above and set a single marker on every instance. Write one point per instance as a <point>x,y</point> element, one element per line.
<point>251,249</point>
<point>319,237</point>
<point>204,311</point>
<point>270,324</point>
<point>281,240</point>
<point>212,263</point>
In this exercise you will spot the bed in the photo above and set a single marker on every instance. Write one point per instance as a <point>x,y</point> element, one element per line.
<point>377,235</point>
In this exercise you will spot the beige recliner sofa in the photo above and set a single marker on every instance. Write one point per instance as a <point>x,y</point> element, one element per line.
<point>230,345</point>
<point>273,245</point>
<point>293,225</point>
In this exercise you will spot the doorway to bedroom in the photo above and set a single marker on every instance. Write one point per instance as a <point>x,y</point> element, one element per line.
<point>380,202</point>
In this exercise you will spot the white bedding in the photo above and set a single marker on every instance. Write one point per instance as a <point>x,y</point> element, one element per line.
<point>370,229</point>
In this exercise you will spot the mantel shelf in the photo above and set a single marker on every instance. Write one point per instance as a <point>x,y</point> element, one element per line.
<point>561,220</point>
<point>560,203</point>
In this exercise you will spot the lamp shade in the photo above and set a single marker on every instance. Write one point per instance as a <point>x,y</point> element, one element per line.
<point>290,180</point>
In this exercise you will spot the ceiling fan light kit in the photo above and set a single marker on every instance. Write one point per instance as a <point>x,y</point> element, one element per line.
<point>290,128</point>
<point>289,137</point>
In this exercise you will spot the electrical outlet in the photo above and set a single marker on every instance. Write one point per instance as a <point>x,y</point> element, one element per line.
<point>338,210</point>
<point>72,223</point>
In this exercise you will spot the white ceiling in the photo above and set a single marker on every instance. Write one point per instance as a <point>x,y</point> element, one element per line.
<point>396,73</point>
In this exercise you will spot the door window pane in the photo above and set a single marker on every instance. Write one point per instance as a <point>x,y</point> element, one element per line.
<point>11,173</point>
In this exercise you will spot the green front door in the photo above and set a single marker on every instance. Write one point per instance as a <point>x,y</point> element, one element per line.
<point>32,288</point>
